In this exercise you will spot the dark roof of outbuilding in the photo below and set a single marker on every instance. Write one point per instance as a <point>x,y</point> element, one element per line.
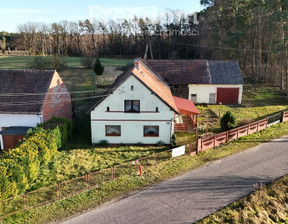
<point>185,72</point>
<point>23,91</point>
<point>180,72</point>
<point>225,72</point>
<point>15,130</point>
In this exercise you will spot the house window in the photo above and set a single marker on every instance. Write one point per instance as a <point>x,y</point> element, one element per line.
<point>113,130</point>
<point>151,131</point>
<point>132,106</point>
<point>132,88</point>
<point>108,109</point>
<point>157,109</point>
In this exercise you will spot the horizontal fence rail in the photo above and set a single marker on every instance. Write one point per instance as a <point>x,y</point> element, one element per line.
<point>47,195</point>
<point>234,134</point>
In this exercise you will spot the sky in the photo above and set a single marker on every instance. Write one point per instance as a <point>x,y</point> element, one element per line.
<point>17,12</point>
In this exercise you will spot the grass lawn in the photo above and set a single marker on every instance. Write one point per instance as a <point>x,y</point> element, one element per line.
<point>120,187</point>
<point>266,205</point>
<point>256,105</point>
<point>23,62</point>
<point>68,164</point>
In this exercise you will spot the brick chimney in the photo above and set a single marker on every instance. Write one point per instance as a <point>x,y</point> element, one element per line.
<point>137,64</point>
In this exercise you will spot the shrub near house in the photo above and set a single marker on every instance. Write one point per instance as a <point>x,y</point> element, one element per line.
<point>20,166</point>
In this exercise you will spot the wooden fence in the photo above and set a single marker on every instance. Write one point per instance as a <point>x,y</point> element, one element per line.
<point>220,139</point>
<point>93,180</point>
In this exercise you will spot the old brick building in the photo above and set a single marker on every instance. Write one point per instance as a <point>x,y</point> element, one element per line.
<point>27,98</point>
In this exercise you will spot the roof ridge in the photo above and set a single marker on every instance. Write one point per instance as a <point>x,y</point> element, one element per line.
<point>209,73</point>
<point>27,70</point>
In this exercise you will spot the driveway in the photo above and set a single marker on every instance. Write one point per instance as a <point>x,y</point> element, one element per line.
<point>198,193</point>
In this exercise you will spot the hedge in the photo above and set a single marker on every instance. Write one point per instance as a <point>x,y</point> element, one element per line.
<point>20,166</point>
<point>65,126</point>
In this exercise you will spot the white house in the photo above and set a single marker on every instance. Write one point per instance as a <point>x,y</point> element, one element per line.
<point>137,108</point>
<point>201,81</point>
<point>27,98</point>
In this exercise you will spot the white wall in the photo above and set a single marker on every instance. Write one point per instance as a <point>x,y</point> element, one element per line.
<point>203,91</point>
<point>132,123</point>
<point>8,120</point>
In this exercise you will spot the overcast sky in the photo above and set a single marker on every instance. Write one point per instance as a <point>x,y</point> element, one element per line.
<point>16,12</point>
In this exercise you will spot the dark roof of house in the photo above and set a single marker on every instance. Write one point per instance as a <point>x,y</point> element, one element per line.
<point>23,91</point>
<point>15,130</point>
<point>185,72</point>
<point>147,78</point>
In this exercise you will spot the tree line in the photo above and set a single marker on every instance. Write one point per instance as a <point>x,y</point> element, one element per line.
<point>97,38</point>
<point>254,32</point>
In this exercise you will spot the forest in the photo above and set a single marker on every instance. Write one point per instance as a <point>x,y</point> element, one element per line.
<point>254,32</point>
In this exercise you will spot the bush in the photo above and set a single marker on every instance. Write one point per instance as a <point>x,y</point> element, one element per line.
<point>48,63</point>
<point>228,121</point>
<point>65,127</point>
<point>103,143</point>
<point>38,63</point>
<point>20,167</point>
<point>173,140</point>
<point>98,67</point>
<point>87,62</point>
<point>160,143</point>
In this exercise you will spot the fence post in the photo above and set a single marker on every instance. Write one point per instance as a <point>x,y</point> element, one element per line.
<point>237,133</point>
<point>26,204</point>
<point>88,181</point>
<point>190,149</point>
<point>227,136</point>
<point>257,126</point>
<point>58,191</point>
<point>199,145</point>
<point>214,141</point>
<point>113,176</point>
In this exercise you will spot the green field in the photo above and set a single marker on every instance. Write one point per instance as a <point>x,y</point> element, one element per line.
<point>23,62</point>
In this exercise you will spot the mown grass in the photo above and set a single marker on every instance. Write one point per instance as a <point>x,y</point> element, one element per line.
<point>118,188</point>
<point>267,205</point>
<point>24,62</point>
<point>257,104</point>
<point>68,164</point>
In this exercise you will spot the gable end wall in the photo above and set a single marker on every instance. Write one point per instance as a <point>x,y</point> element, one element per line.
<point>58,100</point>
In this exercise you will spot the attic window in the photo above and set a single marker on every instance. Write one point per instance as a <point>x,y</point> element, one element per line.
<point>157,109</point>
<point>132,106</point>
<point>132,88</point>
<point>108,109</point>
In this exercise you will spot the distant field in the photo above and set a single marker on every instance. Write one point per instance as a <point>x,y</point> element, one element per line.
<point>23,62</point>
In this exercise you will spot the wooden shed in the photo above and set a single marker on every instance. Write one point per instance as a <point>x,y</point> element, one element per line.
<point>12,135</point>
